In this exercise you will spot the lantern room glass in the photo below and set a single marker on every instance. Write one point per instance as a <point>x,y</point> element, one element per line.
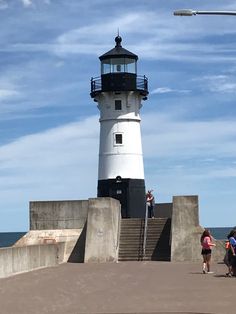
<point>118,65</point>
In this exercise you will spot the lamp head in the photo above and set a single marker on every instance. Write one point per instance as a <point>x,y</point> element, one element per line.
<point>185,12</point>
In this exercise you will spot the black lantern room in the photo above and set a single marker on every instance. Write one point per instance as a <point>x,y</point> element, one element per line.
<point>119,72</point>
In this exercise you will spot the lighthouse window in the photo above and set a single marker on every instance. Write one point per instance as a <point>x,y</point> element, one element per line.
<point>117,65</point>
<point>118,68</point>
<point>118,105</point>
<point>130,66</point>
<point>106,67</point>
<point>118,139</point>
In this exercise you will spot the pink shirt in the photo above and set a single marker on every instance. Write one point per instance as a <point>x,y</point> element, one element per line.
<point>206,243</point>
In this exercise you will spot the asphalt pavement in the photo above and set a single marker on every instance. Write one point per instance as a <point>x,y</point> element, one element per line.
<point>125,287</point>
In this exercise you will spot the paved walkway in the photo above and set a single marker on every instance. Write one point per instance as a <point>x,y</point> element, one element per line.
<point>128,287</point>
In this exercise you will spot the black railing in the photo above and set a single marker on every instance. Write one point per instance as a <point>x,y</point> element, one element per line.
<point>141,84</point>
<point>96,84</point>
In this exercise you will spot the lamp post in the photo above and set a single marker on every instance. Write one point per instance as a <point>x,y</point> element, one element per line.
<point>190,12</point>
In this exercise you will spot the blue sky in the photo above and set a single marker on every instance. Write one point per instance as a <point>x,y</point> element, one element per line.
<point>49,129</point>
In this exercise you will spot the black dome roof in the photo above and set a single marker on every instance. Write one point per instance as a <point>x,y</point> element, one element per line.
<point>118,51</point>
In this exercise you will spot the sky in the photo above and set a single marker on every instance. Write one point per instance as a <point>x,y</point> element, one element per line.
<point>49,125</point>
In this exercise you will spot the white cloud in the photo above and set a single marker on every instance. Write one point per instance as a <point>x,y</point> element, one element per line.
<point>162,90</point>
<point>227,172</point>
<point>76,41</point>
<point>8,93</point>
<point>218,83</point>
<point>27,3</point>
<point>98,30</point>
<point>157,44</point>
<point>60,160</point>
<point>3,5</point>
<point>170,38</point>
<point>56,164</point>
<point>209,160</point>
<point>187,139</point>
<point>165,90</point>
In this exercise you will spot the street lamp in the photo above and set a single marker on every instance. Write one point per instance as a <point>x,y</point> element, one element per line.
<point>189,12</point>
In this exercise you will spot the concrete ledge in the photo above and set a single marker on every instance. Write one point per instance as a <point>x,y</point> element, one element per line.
<point>15,260</point>
<point>66,237</point>
<point>50,215</point>
<point>163,210</point>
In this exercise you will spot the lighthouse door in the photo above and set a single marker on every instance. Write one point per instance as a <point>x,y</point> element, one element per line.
<point>119,192</point>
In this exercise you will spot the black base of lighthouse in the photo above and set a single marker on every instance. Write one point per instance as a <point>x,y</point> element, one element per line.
<point>130,193</point>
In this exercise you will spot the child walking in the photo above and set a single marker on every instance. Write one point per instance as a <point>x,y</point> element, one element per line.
<point>206,242</point>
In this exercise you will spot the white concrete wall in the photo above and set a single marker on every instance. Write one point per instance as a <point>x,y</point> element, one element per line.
<point>103,230</point>
<point>186,232</point>
<point>15,260</point>
<point>185,229</point>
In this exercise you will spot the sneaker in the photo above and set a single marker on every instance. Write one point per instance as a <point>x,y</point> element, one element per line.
<point>229,275</point>
<point>210,272</point>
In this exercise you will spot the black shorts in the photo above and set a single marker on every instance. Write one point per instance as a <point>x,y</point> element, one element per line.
<point>206,251</point>
<point>232,259</point>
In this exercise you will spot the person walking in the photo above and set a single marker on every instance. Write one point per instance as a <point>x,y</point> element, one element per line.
<point>207,244</point>
<point>232,252</point>
<point>226,258</point>
<point>150,203</point>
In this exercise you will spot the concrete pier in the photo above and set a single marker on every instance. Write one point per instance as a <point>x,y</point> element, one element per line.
<point>128,287</point>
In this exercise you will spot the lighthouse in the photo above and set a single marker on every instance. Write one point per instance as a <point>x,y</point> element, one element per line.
<point>119,93</point>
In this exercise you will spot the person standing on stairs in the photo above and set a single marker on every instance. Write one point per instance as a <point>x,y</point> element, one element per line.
<point>150,203</point>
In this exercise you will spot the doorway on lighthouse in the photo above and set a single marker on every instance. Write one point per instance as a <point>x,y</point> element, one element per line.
<point>118,191</point>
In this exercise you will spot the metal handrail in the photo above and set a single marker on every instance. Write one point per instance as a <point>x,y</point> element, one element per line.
<point>96,84</point>
<point>145,232</point>
<point>141,83</point>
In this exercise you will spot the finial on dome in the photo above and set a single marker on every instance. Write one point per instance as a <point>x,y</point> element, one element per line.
<point>118,40</point>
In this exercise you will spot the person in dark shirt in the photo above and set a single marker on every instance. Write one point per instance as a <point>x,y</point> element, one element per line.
<point>232,252</point>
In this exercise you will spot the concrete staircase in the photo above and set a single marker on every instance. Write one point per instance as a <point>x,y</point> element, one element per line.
<point>157,242</point>
<point>131,239</point>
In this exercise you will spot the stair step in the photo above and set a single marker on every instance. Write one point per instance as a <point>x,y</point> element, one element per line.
<point>132,237</point>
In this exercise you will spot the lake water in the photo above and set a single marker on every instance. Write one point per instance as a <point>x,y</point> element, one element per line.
<point>220,233</point>
<point>9,238</point>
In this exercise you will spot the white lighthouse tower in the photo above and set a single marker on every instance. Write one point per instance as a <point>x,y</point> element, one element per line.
<point>119,93</point>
